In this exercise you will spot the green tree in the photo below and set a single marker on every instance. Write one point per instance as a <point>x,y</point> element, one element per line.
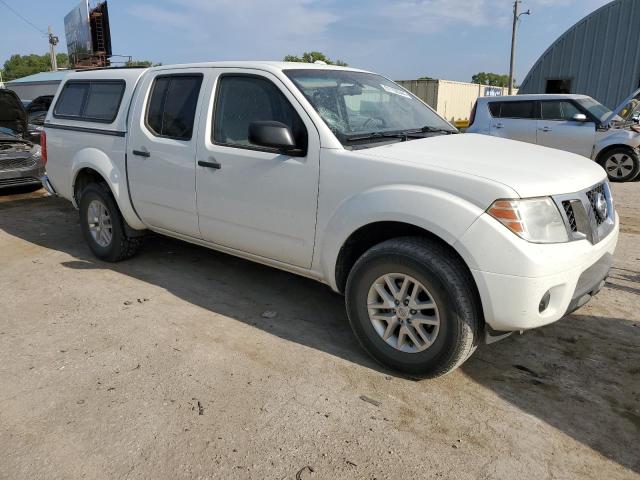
<point>23,65</point>
<point>310,57</point>
<point>141,63</point>
<point>493,79</point>
<point>426,78</point>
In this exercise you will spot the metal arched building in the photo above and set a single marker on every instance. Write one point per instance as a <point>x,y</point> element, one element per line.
<point>599,56</point>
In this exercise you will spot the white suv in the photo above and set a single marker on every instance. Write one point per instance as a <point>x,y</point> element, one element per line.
<point>575,123</point>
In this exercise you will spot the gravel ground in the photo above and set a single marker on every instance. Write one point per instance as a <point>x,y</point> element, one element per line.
<point>166,366</point>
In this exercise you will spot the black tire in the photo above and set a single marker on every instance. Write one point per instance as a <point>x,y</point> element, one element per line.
<point>121,246</point>
<point>449,283</point>
<point>624,173</point>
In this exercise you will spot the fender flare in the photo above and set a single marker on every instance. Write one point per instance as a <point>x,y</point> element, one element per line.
<point>440,213</point>
<point>100,162</point>
<point>621,138</point>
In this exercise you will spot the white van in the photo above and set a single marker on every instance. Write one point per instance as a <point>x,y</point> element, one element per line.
<point>575,123</point>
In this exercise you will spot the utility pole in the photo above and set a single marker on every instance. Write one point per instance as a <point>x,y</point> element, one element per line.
<point>53,41</point>
<point>516,19</point>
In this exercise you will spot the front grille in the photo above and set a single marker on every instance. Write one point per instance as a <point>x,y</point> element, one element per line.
<point>8,182</point>
<point>571,216</point>
<point>17,163</point>
<point>580,213</point>
<point>591,195</point>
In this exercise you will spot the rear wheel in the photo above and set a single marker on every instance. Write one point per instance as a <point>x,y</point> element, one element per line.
<point>103,226</point>
<point>621,164</point>
<point>413,307</point>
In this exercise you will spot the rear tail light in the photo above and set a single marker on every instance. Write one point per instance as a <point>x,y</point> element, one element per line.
<point>472,117</point>
<point>43,146</point>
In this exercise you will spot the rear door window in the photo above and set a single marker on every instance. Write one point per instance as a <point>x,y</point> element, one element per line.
<point>91,101</point>
<point>517,110</point>
<point>172,107</point>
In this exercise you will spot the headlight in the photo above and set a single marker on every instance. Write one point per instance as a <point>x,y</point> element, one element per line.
<point>36,151</point>
<point>537,220</point>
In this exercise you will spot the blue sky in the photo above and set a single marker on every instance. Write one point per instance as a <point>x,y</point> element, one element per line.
<point>403,39</point>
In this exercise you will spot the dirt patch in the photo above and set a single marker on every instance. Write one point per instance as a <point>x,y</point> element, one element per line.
<point>166,366</point>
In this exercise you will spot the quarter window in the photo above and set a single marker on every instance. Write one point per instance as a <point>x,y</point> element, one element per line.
<point>243,99</point>
<point>91,101</point>
<point>172,106</point>
<point>559,110</point>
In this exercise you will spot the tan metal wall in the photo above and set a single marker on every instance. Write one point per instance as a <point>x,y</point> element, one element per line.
<point>452,100</point>
<point>426,90</point>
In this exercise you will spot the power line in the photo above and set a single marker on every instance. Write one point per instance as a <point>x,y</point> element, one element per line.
<point>23,18</point>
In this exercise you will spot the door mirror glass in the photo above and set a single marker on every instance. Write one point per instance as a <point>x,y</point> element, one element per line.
<point>579,117</point>
<point>272,134</point>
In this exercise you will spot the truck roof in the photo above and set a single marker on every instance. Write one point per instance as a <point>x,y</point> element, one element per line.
<point>134,72</point>
<point>539,96</point>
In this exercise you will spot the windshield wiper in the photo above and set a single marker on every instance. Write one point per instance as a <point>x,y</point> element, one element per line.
<point>403,135</point>
<point>373,135</point>
<point>430,129</point>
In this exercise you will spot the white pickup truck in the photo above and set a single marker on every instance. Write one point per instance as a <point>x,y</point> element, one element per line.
<point>439,241</point>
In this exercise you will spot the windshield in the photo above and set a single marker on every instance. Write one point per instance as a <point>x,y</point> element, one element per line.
<point>364,107</point>
<point>595,108</point>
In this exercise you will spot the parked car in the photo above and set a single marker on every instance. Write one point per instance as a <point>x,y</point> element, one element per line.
<point>20,159</point>
<point>575,123</point>
<point>36,113</point>
<point>438,241</point>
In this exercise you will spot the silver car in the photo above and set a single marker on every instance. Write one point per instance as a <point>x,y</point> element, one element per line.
<point>20,157</point>
<point>575,123</point>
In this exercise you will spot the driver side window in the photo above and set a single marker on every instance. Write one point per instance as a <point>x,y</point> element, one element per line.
<point>559,110</point>
<point>243,99</point>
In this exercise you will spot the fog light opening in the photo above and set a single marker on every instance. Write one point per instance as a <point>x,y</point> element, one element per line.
<point>544,302</point>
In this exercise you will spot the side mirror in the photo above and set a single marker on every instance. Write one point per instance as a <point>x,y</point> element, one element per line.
<point>579,117</point>
<point>273,135</point>
<point>635,118</point>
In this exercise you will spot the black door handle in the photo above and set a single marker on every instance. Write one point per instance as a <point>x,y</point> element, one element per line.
<point>141,153</point>
<point>214,165</point>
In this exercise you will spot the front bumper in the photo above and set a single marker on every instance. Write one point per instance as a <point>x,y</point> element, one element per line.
<point>20,171</point>
<point>46,183</point>
<point>16,178</point>
<point>514,275</point>
<point>590,283</point>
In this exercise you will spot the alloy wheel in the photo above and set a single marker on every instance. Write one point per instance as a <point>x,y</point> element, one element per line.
<point>619,165</point>
<point>99,221</point>
<point>403,312</point>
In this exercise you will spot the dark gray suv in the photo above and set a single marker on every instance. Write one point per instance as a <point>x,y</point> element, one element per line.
<point>20,158</point>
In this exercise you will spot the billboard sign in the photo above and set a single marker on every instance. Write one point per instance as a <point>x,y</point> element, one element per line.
<point>77,31</point>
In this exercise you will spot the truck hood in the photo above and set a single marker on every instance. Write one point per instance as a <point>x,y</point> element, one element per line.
<point>12,113</point>
<point>529,170</point>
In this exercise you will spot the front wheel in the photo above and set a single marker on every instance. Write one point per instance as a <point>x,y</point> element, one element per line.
<point>413,306</point>
<point>103,226</point>
<point>621,164</point>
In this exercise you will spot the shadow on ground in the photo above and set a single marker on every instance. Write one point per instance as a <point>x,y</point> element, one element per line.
<point>580,375</point>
